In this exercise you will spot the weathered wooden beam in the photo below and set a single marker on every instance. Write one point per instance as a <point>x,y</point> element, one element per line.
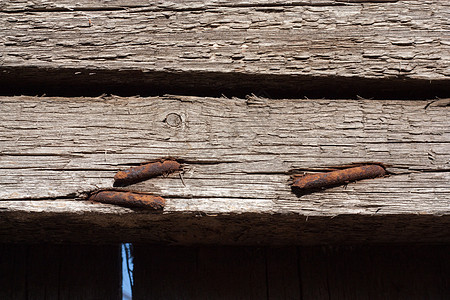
<point>63,147</point>
<point>237,155</point>
<point>392,48</point>
<point>71,221</point>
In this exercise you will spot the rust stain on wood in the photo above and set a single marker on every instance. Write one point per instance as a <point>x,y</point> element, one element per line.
<point>144,172</point>
<point>318,181</point>
<point>129,199</point>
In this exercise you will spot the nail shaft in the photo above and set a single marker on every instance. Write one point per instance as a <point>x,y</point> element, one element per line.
<point>144,172</point>
<point>129,199</point>
<point>335,178</point>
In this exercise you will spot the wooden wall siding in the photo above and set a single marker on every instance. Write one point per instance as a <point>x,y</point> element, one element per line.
<point>215,273</point>
<point>384,272</point>
<point>60,272</point>
<point>400,272</point>
<point>56,150</point>
<point>298,46</point>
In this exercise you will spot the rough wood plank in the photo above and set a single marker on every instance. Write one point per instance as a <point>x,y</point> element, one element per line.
<point>64,147</point>
<point>165,272</point>
<point>60,272</point>
<point>56,150</point>
<point>406,272</point>
<point>238,273</point>
<point>13,272</point>
<point>206,273</point>
<point>56,221</point>
<point>283,273</point>
<point>376,272</point>
<point>303,42</point>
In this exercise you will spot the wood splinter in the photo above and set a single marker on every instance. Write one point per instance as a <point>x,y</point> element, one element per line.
<point>144,172</point>
<point>129,199</point>
<point>312,182</point>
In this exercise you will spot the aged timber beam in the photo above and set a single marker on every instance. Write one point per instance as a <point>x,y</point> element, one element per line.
<point>74,221</point>
<point>55,152</point>
<point>214,47</point>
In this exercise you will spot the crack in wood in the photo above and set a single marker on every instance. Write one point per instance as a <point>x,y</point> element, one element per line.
<point>180,7</point>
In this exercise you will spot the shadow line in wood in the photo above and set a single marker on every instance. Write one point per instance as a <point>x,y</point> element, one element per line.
<point>73,82</point>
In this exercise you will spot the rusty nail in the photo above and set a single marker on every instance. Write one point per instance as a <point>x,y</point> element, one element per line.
<point>128,199</point>
<point>335,178</point>
<point>144,172</point>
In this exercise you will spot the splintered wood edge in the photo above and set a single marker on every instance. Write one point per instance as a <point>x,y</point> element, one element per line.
<point>80,221</point>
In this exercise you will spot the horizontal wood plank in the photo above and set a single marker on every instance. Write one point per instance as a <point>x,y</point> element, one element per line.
<point>75,145</point>
<point>296,46</point>
<point>237,156</point>
<point>87,223</point>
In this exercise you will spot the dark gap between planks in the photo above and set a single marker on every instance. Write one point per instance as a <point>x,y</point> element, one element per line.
<point>84,82</point>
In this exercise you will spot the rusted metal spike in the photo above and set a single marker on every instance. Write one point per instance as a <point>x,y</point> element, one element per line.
<point>129,199</point>
<point>335,178</point>
<point>144,172</point>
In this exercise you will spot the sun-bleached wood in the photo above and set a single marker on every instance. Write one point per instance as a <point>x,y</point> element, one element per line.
<point>302,40</point>
<point>338,38</point>
<point>237,155</point>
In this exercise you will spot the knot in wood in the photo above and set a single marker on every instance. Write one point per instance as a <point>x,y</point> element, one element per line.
<point>173,120</point>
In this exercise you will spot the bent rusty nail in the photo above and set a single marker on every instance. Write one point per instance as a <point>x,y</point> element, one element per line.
<point>128,199</point>
<point>335,178</point>
<point>144,172</point>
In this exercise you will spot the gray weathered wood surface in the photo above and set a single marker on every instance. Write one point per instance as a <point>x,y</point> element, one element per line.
<point>338,38</point>
<point>308,43</point>
<point>238,155</point>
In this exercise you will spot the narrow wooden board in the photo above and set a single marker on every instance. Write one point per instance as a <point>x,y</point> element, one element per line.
<point>220,46</point>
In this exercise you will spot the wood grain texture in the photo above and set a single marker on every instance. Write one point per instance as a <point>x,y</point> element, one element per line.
<point>361,272</point>
<point>406,272</point>
<point>60,272</point>
<point>202,273</point>
<point>283,273</point>
<point>56,150</point>
<point>146,44</point>
<point>73,221</point>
